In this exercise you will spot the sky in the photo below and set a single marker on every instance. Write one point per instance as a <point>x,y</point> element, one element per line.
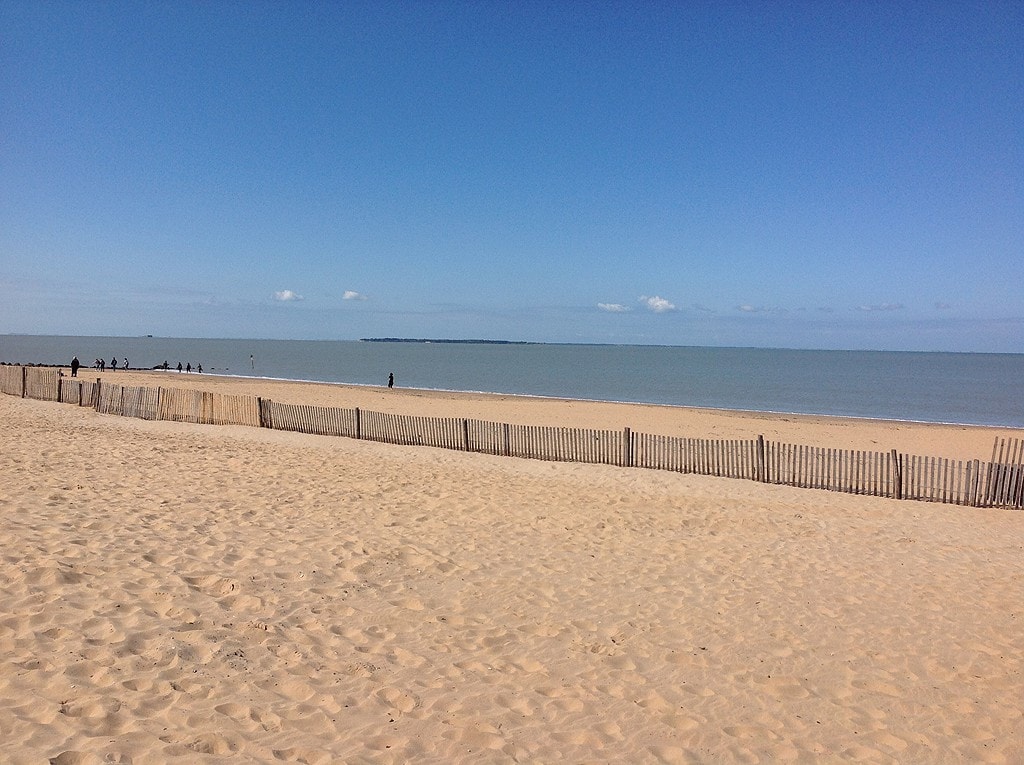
<point>767,174</point>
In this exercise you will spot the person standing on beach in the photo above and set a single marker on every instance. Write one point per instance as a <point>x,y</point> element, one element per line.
<point>391,379</point>
<point>75,364</point>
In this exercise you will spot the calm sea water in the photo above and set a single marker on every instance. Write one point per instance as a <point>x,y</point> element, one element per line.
<point>982,389</point>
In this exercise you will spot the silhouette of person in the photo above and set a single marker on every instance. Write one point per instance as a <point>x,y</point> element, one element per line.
<point>179,366</point>
<point>391,380</point>
<point>199,368</point>
<point>75,364</point>
<point>188,367</point>
<point>113,363</point>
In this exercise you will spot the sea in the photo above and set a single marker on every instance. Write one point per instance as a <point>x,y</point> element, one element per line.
<point>967,388</point>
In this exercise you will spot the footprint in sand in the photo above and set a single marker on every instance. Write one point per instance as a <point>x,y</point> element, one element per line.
<point>784,688</point>
<point>75,758</point>
<point>205,743</point>
<point>302,755</point>
<point>410,604</point>
<point>680,723</point>
<point>211,584</point>
<point>671,755</point>
<point>401,700</point>
<point>876,686</point>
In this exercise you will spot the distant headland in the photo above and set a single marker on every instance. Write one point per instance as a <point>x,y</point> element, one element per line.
<point>429,340</point>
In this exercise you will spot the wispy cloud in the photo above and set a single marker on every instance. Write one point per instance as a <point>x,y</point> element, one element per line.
<point>881,307</point>
<point>943,306</point>
<point>287,296</point>
<point>703,308</point>
<point>353,295</point>
<point>657,304</point>
<point>614,307</point>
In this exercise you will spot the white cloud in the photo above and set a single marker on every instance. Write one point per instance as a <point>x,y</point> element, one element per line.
<point>613,307</point>
<point>286,296</point>
<point>353,295</point>
<point>750,309</point>
<point>657,304</point>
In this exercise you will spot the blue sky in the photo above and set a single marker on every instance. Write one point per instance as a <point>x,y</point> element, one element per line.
<point>808,175</point>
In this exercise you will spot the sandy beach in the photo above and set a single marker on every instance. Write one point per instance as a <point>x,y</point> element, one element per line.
<point>182,593</point>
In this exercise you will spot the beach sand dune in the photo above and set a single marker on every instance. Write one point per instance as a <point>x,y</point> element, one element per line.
<point>184,593</point>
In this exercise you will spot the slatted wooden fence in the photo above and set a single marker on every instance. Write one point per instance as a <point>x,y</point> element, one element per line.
<point>12,380</point>
<point>996,483</point>
<point>730,458</point>
<point>206,408</point>
<point>1005,485</point>
<point>41,383</point>
<point>74,391</point>
<point>316,420</point>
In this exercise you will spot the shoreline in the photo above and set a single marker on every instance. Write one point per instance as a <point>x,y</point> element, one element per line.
<point>718,410</point>
<point>948,398</point>
<point>456,392</point>
<point>950,440</point>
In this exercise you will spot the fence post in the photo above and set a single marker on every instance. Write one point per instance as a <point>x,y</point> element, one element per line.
<point>359,426</point>
<point>761,474</point>
<point>897,475</point>
<point>96,394</point>
<point>465,434</point>
<point>627,448</point>
<point>24,381</point>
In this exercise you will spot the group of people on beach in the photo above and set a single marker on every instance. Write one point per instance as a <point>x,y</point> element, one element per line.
<point>187,368</point>
<point>99,364</point>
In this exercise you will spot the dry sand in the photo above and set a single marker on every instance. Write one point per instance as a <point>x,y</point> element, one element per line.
<point>184,593</point>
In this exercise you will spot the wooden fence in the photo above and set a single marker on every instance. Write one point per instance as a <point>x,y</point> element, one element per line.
<point>41,383</point>
<point>11,380</point>
<point>996,483</point>
<point>205,408</point>
<point>79,392</point>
